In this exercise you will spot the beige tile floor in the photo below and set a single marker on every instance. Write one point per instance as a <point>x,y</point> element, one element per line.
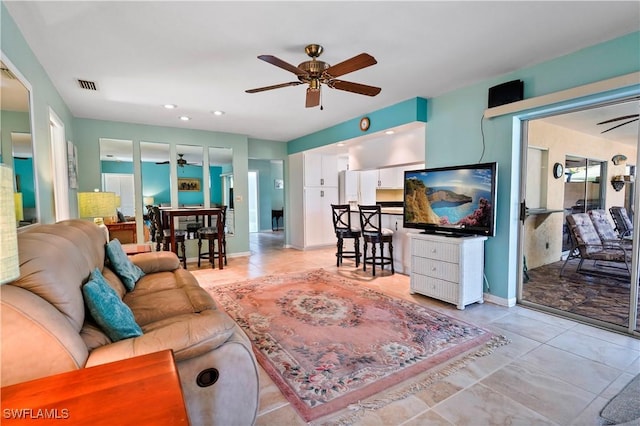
<point>554,372</point>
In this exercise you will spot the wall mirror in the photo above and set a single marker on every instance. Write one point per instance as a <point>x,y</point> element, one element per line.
<point>156,176</point>
<point>189,173</point>
<point>16,147</point>
<point>116,167</point>
<point>221,182</point>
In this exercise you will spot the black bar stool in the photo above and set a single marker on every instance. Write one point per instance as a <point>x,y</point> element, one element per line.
<point>216,248</point>
<point>374,233</point>
<point>342,227</point>
<point>163,236</point>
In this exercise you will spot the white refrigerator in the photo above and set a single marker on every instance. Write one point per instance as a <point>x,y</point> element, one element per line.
<point>357,187</point>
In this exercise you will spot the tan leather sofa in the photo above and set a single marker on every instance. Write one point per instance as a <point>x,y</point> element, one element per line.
<point>45,329</point>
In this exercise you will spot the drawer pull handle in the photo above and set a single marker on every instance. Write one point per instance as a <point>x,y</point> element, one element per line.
<point>433,269</point>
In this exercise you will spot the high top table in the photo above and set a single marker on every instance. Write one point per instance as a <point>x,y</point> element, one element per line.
<point>168,215</point>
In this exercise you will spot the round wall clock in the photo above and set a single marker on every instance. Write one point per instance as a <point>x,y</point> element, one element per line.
<point>364,123</point>
<point>558,170</point>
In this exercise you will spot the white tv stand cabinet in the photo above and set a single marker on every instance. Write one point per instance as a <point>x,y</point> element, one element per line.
<point>448,268</point>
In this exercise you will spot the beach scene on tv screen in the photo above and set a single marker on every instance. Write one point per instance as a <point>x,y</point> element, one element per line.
<point>459,198</point>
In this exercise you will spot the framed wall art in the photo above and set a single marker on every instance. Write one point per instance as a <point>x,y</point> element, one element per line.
<point>188,184</point>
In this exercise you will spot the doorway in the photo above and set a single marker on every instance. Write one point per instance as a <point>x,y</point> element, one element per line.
<point>253,202</point>
<point>59,166</point>
<point>579,164</point>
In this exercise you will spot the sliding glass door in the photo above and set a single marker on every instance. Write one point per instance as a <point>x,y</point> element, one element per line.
<point>580,168</point>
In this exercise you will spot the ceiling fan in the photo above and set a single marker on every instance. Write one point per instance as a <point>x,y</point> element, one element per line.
<point>181,161</point>
<point>316,73</point>
<point>631,118</point>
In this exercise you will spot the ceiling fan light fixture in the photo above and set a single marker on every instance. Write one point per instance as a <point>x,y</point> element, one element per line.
<point>315,73</point>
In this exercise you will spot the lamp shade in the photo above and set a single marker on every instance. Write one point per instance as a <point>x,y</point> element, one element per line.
<point>9,262</point>
<point>96,204</point>
<point>148,201</point>
<point>118,201</point>
<point>17,198</point>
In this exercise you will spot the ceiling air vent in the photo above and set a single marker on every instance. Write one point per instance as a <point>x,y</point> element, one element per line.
<point>87,85</point>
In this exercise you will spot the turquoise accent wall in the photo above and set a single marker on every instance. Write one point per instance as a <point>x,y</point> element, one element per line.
<point>395,115</point>
<point>156,182</point>
<point>23,168</point>
<point>122,167</point>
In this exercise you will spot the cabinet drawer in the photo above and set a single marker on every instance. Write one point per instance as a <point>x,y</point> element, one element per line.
<point>436,250</point>
<point>436,269</point>
<point>433,287</point>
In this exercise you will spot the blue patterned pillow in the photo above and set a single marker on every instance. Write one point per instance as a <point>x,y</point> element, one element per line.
<point>126,270</point>
<point>108,310</point>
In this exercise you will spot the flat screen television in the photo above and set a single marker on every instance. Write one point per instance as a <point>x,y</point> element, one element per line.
<point>454,201</point>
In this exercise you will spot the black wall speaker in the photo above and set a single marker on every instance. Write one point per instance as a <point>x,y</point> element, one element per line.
<point>505,93</point>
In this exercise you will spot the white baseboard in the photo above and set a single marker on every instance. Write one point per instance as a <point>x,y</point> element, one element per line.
<point>501,301</point>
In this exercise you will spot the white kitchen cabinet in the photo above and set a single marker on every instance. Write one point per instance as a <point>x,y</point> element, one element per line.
<point>448,268</point>
<point>368,185</point>
<point>401,242</point>
<point>310,222</point>
<point>393,177</point>
<point>320,169</point>
<point>388,178</point>
<point>318,217</point>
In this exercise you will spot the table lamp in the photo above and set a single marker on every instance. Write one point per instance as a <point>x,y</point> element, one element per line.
<point>9,261</point>
<point>148,201</point>
<point>17,198</point>
<point>97,205</point>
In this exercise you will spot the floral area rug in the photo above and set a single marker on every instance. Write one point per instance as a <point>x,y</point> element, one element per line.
<point>328,342</point>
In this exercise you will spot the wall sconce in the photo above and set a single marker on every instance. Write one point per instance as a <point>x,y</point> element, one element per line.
<point>618,159</point>
<point>617,182</point>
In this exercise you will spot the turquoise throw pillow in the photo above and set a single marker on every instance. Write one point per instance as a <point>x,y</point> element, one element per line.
<point>108,310</point>
<point>126,270</point>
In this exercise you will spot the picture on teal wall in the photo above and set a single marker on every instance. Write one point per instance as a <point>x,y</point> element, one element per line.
<point>188,184</point>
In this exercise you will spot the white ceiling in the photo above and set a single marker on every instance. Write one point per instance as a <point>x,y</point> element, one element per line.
<point>202,55</point>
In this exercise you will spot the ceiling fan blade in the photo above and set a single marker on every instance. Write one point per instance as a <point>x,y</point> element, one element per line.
<point>624,117</point>
<point>275,86</point>
<point>313,98</point>
<point>361,89</point>
<point>282,64</point>
<point>358,62</point>
<point>163,162</point>
<point>620,125</point>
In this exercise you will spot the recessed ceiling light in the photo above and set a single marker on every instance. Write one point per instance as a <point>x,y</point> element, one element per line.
<point>389,132</point>
<point>340,144</point>
<point>184,118</point>
<point>218,112</point>
<point>170,106</point>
